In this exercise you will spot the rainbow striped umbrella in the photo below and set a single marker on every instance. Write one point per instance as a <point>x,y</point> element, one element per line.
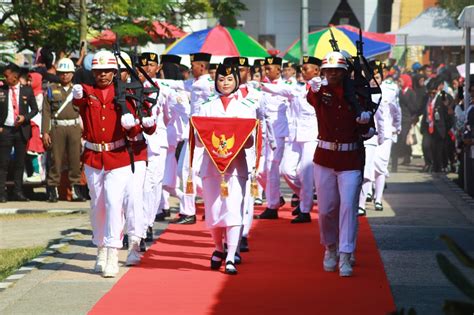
<point>218,41</point>
<point>319,45</point>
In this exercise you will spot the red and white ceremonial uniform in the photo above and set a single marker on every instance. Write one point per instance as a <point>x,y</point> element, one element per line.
<point>107,162</point>
<point>339,160</point>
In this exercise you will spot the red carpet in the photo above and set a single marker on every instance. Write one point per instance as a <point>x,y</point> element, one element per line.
<point>282,274</point>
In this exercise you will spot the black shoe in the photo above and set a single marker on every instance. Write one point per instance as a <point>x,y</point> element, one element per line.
<point>230,268</point>
<point>267,214</point>
<point>369,198</point>
<point>361,212</point>
<point>149,234</point>
<point>295,200</point>
<point>244,245</point>
<point>52,192</point>
<point>19,197</point>
<point>216,264</point>
<point>203,217</point>
<point>160,217</point>
<point>125,241</point>
<point>258,202</point>
<point>3,199</point>
<point>296,211</point>
<point>302,218</point>
<point>185,219</point>
<point>378,206</point>
<point>143,247</point>
<point>167,212</point>
<point>282,201</point>
<point>315,197</point>
<point>237,259</point>
<point>77,193</point>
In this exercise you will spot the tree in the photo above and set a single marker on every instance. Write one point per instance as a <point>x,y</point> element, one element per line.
<point>226,11</point>
<point>454,7</point>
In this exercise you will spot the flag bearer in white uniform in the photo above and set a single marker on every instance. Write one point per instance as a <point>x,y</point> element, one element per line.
<point>275,112</point>
<point>338,160</point>
<point>297,166</point>
<point>201,86</point>
<point>157,146</point>
<point>224,215</point>
<point>134,215</point>
<point>393,126</point>
<point>107,162</point>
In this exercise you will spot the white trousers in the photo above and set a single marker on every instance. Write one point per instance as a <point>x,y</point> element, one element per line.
<point>297,169</point>
<point>381,167</point>
<point>187,205</point>
<point>223,212</point>
<point>338,195</point>
<point>153,186</point>
<point>133,203</point>
<point>271,180</point>
<point>248,200</point>
<point>369,169</point>
<point>107,191</point>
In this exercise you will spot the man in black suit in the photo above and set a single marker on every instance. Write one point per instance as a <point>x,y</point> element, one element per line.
<point>437,119</point>
<point>17,107</point>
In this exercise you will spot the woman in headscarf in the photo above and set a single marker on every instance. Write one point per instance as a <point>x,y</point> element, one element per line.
<point>408,106</point>
<point>224,215</point>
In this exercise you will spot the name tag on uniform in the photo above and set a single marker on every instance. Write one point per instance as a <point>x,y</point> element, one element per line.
<point>326,98</point>
<point>56,92</point>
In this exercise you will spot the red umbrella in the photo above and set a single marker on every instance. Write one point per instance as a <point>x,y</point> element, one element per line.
<point>160,30</point>
<point>106,38</point>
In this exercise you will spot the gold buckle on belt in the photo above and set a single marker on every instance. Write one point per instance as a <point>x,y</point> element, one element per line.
<point>335,146</point>
<point>104,146</point>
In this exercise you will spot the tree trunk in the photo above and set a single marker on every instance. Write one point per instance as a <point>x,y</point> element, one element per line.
<point>83,22</point>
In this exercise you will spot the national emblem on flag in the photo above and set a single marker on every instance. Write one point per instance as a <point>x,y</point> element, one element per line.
<point>223,139</point>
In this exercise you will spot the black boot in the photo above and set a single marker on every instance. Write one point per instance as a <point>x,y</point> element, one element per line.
<point>52,192</point>
<point>268,214</point>
<point>77,193</point>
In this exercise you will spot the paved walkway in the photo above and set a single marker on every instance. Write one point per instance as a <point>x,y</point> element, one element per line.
<point>418,208</point>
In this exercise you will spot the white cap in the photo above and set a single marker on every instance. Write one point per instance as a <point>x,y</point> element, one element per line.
<point>104,60</point>
<point>65,65</point>
<point>334,59</point>
<point>127,59</point>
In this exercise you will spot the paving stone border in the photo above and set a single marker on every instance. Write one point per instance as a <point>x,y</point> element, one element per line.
<point>37,262</point>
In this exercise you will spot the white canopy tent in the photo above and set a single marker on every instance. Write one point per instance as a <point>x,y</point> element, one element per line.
<point>433,27</point>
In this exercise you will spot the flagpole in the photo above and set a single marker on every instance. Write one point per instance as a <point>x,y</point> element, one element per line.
<point>304,29</point>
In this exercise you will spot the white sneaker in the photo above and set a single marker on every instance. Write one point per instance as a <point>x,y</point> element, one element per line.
<point>101,259</point>
<point>345,268</point>
<point>112,267</point>
<point>330,260</point>
<point>35,178</point>
<point>134,256</point>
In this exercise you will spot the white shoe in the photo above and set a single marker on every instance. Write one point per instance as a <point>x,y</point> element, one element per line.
<point>345,268</point>
<point>101,259</point>
<point>330,260</point>
<point>35,178</point>
<point>133,257</point>
<point>111,267</point>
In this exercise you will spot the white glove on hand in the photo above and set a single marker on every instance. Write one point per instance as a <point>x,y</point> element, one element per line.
<point>148,122</point>
<point>315,84</point>
<point>77,92</point>
<point>369,134</point>
<point>364,118</point>
<point>128,121</point>
<point>254,84</point>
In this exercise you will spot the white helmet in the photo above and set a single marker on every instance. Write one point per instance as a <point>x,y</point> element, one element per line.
<point>127,59</point>
<point>104,60</point>
<point>334,60</point>
<point>65,65</point>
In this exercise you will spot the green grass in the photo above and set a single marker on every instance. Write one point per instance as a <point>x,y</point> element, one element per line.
<point>12,259</point>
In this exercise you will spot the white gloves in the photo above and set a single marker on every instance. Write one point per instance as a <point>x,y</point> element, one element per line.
<point>364,118</point>
<point>315,84</point>
<point>254,84</point>
<point>369,134</point>
<point>148,122</point>
<point>128,121</point>
<point>77,91</point>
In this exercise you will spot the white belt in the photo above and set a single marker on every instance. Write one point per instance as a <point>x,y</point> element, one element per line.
<point>65,122</point>
<point>334,146</point>
<point>104,147</point>
<point>138,137</point>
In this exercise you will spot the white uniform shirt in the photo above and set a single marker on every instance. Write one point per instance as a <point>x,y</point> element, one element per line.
<point>159,138</point>
<point>10,121</point>
<point>302,116</point>
<point>275,108</point>
<point>391,109</point>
